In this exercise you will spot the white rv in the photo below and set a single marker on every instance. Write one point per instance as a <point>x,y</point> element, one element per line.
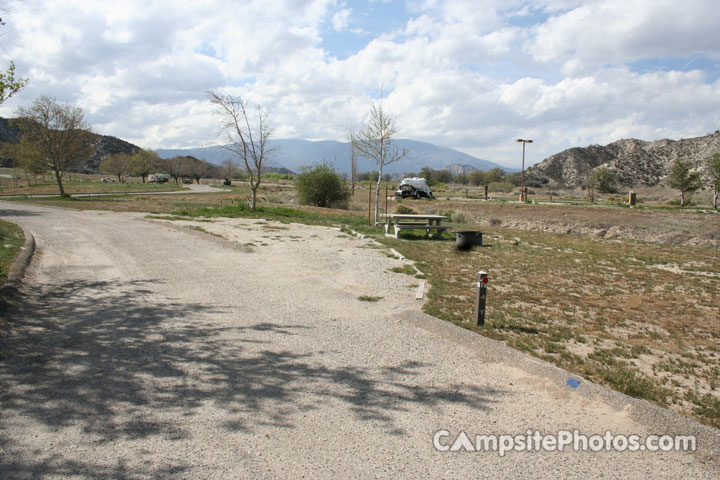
<point>414,187</point>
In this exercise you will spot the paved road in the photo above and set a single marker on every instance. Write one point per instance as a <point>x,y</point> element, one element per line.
<point>146,350</point>
<point>190,188</point>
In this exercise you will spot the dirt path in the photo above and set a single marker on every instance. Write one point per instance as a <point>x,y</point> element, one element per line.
<point>145,349</point>
<point>658,226</point>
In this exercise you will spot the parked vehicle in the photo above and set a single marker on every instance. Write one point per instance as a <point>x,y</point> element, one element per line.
<point>158,178</point>
<point>108,180</point>
<point>414,187</point>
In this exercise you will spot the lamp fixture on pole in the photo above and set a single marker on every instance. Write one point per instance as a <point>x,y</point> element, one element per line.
<point>523,196</point>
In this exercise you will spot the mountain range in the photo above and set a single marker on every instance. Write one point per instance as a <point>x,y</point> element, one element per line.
<point>635,162</point>
<point>294,154</point>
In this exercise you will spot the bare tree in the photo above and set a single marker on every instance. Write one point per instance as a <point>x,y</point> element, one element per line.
<point>116,164</point>
<point>59,133</point>
<point>246,134</point>
<point>590,185</point>
<point>229,169</point>
<point>374,142</point>
<point>143,162</point>
<point>174,167</point>
<point>197,169</point>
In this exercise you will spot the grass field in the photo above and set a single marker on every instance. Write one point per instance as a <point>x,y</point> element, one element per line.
<point>641,319</point>
<point>76,187</point>
<point>11,241</point>
<point>639,316</point>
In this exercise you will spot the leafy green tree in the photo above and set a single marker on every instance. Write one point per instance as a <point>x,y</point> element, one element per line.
<point>604,180</point>
<point>495,175</point>
<point>462,179</point>
<point>713,167</point>
<point>428,174</point>
<point>322,186</point>
<point>514,178</point>
<point>443,176</point>
<point>478,177</point>
<point>116,164</point>
<point>143,162</point>
<point>60,135</point>
<point>9,85</point>
<point>682,179</point>
<point>371,176</point>
<point>30,159</point>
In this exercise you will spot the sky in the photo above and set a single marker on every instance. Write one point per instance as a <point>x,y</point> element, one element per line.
<point>471,75</point>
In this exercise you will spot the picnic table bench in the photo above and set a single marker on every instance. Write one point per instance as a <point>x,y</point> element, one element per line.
<point>415,222</point>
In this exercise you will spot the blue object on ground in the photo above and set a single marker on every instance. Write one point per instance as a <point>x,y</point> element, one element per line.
<point>573,383</point>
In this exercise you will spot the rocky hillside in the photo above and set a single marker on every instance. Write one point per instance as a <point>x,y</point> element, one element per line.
<point>457,169</point>
<point>635,162</point>
<point>11,133</point>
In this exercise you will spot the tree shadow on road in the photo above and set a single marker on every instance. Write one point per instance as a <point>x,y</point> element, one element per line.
<point>17,213</point>
<point>102,358</point>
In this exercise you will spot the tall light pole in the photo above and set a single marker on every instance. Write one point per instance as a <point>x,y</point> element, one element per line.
<point>523,198</point>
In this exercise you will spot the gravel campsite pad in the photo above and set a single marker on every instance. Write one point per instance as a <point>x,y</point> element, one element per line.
<point>147,348</point>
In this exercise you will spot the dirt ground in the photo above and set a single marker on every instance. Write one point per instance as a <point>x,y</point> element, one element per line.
<point>692,228</point>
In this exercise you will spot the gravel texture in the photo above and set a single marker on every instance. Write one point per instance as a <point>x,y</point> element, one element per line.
<point>146,349</point>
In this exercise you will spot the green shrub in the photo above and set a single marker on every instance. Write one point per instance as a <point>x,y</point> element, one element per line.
<point>403,210</point>
<point>323,187</point>
<point>277,176</point>
<point>458,216</point>
<point>605,180</point>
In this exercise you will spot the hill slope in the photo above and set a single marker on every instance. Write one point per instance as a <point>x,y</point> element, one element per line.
<point>11,133</point>
<point>635,162</point>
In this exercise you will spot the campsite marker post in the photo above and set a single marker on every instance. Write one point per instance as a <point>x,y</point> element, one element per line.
<point>482,280</point>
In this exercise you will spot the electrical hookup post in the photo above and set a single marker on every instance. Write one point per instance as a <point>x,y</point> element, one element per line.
<point>482,281</point>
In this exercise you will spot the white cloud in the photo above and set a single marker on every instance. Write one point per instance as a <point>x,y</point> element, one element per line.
<point>473,75</point>
<point>340,19</point>
<point>617,31</point>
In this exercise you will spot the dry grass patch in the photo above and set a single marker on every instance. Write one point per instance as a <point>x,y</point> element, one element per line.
<point>599,308</point>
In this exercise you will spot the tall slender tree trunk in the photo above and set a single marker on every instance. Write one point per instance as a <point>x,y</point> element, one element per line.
<point>715,198</point>
<point>253,197</point>
<point>377,200</point>
<point>58,177</point>
<point>682,198</point>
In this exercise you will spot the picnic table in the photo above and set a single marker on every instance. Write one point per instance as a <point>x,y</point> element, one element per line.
<point>413,221</point>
